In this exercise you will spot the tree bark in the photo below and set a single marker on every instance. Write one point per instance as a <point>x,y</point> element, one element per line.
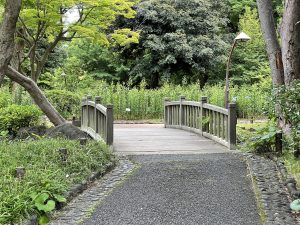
<point>265,10</point>
<point>7,32</point>
<point>290,36</point>
<point>37,95</point>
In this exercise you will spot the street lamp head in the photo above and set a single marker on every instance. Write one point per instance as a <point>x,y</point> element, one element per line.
<point>242,37</point>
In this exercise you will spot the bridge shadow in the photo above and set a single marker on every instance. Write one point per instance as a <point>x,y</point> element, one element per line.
<point>144,139</point>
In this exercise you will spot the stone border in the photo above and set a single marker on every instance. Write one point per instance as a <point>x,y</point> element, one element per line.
<point>272,196</point>
<point>289,181</point>
<point>82,206</point>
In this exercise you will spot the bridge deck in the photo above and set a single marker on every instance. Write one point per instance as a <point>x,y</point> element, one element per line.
<point>140,139</point>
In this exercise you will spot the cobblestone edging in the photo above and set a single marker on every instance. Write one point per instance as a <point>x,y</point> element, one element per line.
<point>83,205</point>
<point>273,198</point>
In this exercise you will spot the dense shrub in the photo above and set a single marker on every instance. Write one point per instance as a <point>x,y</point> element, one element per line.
<point>289,101</point>
<point>67,103</point>
<point>13,117</point>
<point>5,98</point>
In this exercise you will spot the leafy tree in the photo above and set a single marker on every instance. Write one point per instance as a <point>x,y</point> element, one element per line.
<point>97,60</point>
<point>250,59</point>
<point>45,21</point>
<point>238,7</point>
<point>177,39</point>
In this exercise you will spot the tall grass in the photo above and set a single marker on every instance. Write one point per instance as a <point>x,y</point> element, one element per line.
<point>252,101</point>
<point>143,103</point>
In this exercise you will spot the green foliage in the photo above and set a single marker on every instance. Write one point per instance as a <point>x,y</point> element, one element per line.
<point>92,15</point>
<point>46,176</point>
<point>66,102</point>
<point>147,103</point>
<point>14,117</point>
<point>45,202</point>
<point>265,141</point>
<point>238,7</point>
<point>178,39</point>
<point>5,99</point>
<point>250,61</point>
<point>288,99</point>
<point>87,58</point>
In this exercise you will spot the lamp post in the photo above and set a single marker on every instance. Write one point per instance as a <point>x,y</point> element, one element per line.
<point>241,37</point>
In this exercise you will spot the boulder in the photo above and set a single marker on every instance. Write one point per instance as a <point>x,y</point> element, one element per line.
<point>68,131</point>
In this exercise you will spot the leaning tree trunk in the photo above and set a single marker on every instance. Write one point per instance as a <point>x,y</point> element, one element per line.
<point>290,36</point>
<point>265,10</point>
<point>268,26</point>
<point>7,32</point>
<point>37,95</point>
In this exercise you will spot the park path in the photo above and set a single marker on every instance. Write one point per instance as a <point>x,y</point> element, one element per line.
<point>176,183</point>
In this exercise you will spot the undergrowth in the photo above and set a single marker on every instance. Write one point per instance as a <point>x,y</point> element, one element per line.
<point>46,174</point>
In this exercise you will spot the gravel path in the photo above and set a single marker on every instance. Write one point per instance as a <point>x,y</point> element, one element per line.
<point>207,189</point>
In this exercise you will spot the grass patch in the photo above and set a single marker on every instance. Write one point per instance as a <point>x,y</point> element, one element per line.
<point>293,166</point>
<point>247,131</point>
<point>44,172</point>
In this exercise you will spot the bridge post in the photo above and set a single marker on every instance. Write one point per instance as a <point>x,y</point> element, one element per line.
<point>232,120</point>
<point>109,125</point>
<point>166,119</point>
<point>88,98</point>
<point>97,101</point>
<point>82,112</point>
<point>203,101</point>
<point>181,111</point>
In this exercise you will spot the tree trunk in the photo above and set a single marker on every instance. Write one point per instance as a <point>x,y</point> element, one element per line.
<point>290,36</point>
<point>268,26</point>
<point>7,32</point>
<point>37,95</point>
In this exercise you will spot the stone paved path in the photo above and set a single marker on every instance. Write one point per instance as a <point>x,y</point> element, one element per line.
<point>206,189</point>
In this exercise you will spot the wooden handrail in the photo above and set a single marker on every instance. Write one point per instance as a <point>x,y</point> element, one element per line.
<point>97,120</point>
<point>216,123</point>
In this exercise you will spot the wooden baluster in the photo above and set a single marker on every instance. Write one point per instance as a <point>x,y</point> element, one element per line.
<point>166,114</point>
<point>219,125</point>
<point>232,120</point>
<point>181,111</point>
<point>203,101</point>
<point>211,127</point>
<point>109,125</point>
<point>88,98</point>
<point>215,123</point>
<point>83,113</point>
<point>97,114</point>
<point>223,127</point>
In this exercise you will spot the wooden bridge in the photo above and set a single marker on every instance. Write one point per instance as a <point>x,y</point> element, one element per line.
<point>189,127</point>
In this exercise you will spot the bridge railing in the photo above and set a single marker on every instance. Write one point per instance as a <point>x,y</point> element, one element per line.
<point>97,120</point>
<point>213,122</point>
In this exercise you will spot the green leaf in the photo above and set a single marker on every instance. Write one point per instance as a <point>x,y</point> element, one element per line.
<point>43,220</point>
<point>49,206</point>
<point>59,198</point>
<point>295,205</point>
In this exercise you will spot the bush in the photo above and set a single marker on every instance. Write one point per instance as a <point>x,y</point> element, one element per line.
<point>14,117</point>
<point>67,103</point>
<point>289,101</point>
<point>45,172</point>
<point>5,99</point>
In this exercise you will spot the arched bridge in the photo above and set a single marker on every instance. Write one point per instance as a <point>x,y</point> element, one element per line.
<point>199,128</point>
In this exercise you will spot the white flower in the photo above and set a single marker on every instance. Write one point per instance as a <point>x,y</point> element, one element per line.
<point>67,175</point>
<point>127,110</point>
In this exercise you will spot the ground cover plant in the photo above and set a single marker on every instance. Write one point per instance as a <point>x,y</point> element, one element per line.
<point>47,177</point>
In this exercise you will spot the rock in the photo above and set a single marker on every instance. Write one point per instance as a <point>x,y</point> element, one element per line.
<point>68,131</point>
<point>31,132</point>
